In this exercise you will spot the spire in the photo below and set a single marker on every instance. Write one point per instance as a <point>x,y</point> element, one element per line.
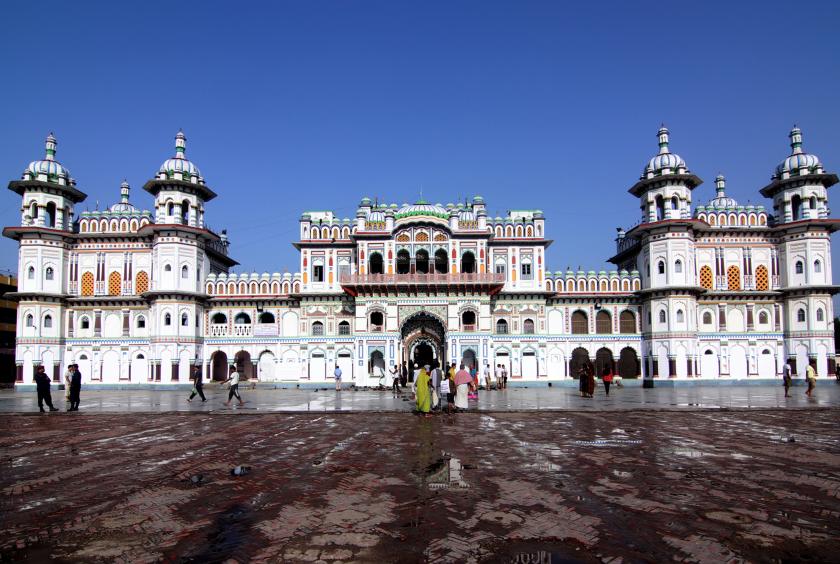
<point>720,185</point>
<point>795,140</point>
<point>180,144</point>
<point>50,145</point>
<point>663,140</point>
<point>124,189</point>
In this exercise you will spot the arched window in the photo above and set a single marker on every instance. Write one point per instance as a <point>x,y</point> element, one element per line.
<point>796,207</point>
<point>528,327</point>
<point>660,266</point>
<point>733,278</point>
<point>343,328</point>
<point>48,320</point>
<point>707,318</point>
<point>170,209</point>
<point>185,320</point>
<point>680,316</point>
<point>817,266</point>
<point>185,212</point>
<point>242,318</point>
<point>813,201</point>
<point>50,219</point>
<point>377,321</point>
<point>49,274</point>
<point>662,316</point>
<point>660,208</point>
<point>167,319</point>
<point>627,322</point>
<point>421,261</point>
<point>30,320</point>
<point>799,267</point>
<point>375,264</point>
<point>468,262</point>
<point>218,318</point>
<point>675,203</point>
<point>603,322</point>
<point>800,315</point>
<point>317,328</point>
<point>266,317</point>
<point>167,268</point>
<point>84,323</point>
<point>185,272</point>
<point>763,318</point>
<point>678,266</point>
<point>820,315</point>
<point>141,322</point>
<point>403,262</point>
<point>30,273</point>
<point>580,323</point>
<point>468,321</point>
<point>441,261</point>
<point>502,327</point>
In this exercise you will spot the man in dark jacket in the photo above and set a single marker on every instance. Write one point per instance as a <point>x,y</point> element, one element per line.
<point>198,385</point>
<point>42,384</point>
<point>75,388</point>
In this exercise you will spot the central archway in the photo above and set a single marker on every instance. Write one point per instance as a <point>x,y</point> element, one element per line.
<point>423,339</point>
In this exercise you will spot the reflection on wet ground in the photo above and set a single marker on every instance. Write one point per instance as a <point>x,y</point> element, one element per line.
<point>712,486</point>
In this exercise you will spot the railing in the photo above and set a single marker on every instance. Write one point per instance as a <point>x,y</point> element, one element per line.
<point>218,329</point>
<point>377,328</point>
<point>242,330</point>
<point>468,327</point>
<point>422,278</point>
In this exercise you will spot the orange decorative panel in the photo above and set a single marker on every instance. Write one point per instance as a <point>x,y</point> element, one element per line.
<point>762,281</point>
<point>733,278</point>
<point>706,278</point>
<point>422,237</point>
<point>141,283</point>
<point>87,284</point>
<point>114,284</point>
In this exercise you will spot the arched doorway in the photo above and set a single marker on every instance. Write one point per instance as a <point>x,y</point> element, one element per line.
<point>709,365</point>
<point>243,364</point>
<point>579,358</point>
<point>219,363</point>
<point>423,353</point>
<point>376,364</point>
<point>423,338</point>
<point>628,363</point>
<point>468,262</point>
<point>603,359</point>
<point>469,360</point>
<point>267,365</point>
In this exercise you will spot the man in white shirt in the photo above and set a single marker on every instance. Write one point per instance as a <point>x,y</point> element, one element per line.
<point>487,376</point>
<point>234,386</point>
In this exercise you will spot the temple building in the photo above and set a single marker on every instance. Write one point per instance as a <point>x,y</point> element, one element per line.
<point>135,296</point>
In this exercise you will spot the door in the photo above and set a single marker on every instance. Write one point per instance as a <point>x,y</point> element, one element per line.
<point>529,365</point>
<point>317,366</point>
<point>110,367</point>
<point>682,363</point>
<point>84,367</point>
<point>709,367</point>
<point>766,364</point>
<point>139,369</point>
<point>345,362</point>
<point>266,367</point>
<point>737,362</point>
<point>503,358</point>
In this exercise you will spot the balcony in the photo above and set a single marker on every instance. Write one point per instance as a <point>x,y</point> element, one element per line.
<point>469,327</point>
<point>355,284</point>
<point>218,329</point>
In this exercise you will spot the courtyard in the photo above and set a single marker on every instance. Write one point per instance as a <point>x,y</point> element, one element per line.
<point>646,478</point>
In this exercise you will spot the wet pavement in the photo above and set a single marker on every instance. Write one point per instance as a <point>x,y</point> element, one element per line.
<point>326,400</point>
<point>623,486</point>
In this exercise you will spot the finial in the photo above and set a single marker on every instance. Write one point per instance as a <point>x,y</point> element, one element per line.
<point>663,139</point>
<point>124,189</point>
<point>180,144</point>
<point>50,145</point>
<point>795,140</point>
<point>720,185</point>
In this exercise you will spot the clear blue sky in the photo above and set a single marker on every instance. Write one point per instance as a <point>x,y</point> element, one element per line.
<point>290,106</point>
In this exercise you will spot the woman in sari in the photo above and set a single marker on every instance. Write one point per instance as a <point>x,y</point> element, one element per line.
<point>424,395</point>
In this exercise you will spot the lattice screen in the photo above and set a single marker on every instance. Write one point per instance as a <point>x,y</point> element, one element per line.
<point>114,284</point>
<point>87,284</point>
<point>706,278</point>
<point>733,278</point>
<point>142,282</point>
<point>762,281</point>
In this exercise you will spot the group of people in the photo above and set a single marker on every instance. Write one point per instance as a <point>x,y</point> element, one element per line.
<point>586,380</point>
<point>432,384</point>
<point>232,381</point>
<point>72,388</point>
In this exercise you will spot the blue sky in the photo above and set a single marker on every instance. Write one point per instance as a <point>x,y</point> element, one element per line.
<point>289,106</point>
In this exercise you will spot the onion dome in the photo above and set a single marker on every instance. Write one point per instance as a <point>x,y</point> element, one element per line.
<point>48,169</point>
<point>721,200</point>
<point>799,162</point>
<point>178,167</point>
<point>422,209</point>
<point>665,162</point>
<point>376,216</point>
<point>123,206</point>
<point>466,215</point>
<point>365,202</point>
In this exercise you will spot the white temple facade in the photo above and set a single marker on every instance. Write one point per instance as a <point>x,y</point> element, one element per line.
<point>718,291</point>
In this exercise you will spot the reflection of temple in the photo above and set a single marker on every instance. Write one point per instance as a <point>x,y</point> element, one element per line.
<point>723,290</point>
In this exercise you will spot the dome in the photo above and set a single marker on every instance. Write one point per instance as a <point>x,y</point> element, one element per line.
<point>376,216</point>
<point>721,200</point>
<point>665,162</point>
<point>48,167</point>
<point>799,161</point>
<point>123,206</point>
<point>422,209</point>
<point>466,215</point>
<point>179,163</point>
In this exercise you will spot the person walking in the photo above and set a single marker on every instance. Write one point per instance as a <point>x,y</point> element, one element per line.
<point>462,383</point>
<point>487,377</point>
<point>582,380</point>
<point>474,382</point>
<point>68,376</point>
<point>75,389</point>
<point>786,378</point>
<point>233,391</point>
<point>337,375</point>
<point>435,383</point>
<point>42,387</point>
<point>811,376</point>
<point>198,385</point>
<point>590,372</point>
<point>424,395</point>
<point>395,380</point>
<point>607,377</point>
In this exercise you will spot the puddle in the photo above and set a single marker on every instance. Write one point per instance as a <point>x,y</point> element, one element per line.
<point>446,473</point>
<point>608,442</point>
<point>622,474</point>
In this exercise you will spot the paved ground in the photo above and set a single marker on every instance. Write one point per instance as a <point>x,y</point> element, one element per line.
<point>512,399</point>
<point>701,486</point>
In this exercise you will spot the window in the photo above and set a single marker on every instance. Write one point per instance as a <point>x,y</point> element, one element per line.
<point>266,317</point>
<point>528,327</point>
<point>707,318</point>
<point>343,328</point>
<point>763,318</point>
<point>167,268</point>
<point>800,268</point>
<point>526,271</point>
<point>678,267</point>
<point>318,273</point>
<point>376,265</point>
<point>468,262</point>
<point>662,316</point>
<point>468,321</point>
<point>603,322</point>
<point>170,208</point>
<point>185,320</point>
<point>185,272</point>
<point>377,320</point>
<point>580,323</point>
<point>167,319</point>
<point>502,327</point>
<point>817,266</point>
<point>218,318</point>
<point>141,322</point>
<point>660,266</point>
<point>501,268</point>
<point>680,316</point>
<point>626,322</point>
<point>84,323</point>
<point>30,321</point>
<point>30,274</point>
<point>800,316</point>
<point>242,319</point>
<point>48,320</point>
<point>820,316</point>
<point>317,328</point>
<point>50,273</point>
